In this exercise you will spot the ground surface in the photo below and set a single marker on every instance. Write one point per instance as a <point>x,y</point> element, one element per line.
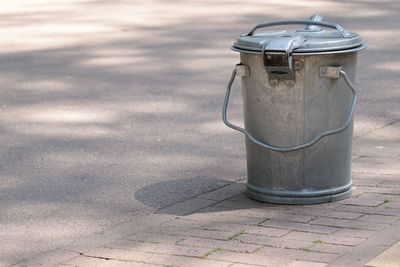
<point>110,109</point>
<point>225,228</point>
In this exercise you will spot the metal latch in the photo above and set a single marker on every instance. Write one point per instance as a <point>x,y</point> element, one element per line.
<point>278,60</point>
<point>242,70</point>
<point>332,71</point>
<point>279,65</point>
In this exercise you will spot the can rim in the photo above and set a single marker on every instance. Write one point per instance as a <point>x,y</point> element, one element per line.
<point>350,48</point>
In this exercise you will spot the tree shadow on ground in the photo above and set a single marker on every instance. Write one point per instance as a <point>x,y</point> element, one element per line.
<point>100,111</point>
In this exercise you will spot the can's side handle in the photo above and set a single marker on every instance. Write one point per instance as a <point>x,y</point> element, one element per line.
<point>330,73</point>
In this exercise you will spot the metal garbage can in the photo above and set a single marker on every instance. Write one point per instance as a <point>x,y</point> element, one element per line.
<point>298,101</point>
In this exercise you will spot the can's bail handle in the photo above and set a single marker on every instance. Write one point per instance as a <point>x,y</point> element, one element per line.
<point>333,72</point>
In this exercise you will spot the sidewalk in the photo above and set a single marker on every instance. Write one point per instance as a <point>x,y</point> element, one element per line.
<point>225,228</point>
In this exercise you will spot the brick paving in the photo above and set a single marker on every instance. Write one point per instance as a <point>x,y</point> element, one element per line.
<point>225,228</point>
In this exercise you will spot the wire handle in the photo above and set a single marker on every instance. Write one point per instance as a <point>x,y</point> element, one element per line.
<point>350,114</point>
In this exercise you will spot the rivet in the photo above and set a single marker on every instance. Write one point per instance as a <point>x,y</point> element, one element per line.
<point>298,65</point>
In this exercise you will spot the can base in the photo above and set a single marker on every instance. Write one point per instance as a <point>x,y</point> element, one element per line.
<point>299,198</point>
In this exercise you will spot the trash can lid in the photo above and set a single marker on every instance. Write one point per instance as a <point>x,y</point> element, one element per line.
<point>309,41</point>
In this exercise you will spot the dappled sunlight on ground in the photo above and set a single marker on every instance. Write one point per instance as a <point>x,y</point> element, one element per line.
<point>390,66</point>
<point>100,99</point>
<point>62,115</point>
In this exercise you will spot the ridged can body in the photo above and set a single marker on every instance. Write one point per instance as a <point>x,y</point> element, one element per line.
<point>291,112</point>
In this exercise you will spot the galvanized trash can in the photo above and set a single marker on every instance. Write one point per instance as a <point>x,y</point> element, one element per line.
<point>299,100</point>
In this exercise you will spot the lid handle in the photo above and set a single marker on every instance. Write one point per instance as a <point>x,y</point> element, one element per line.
<point>314,28</point>
<point>339,28</point>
